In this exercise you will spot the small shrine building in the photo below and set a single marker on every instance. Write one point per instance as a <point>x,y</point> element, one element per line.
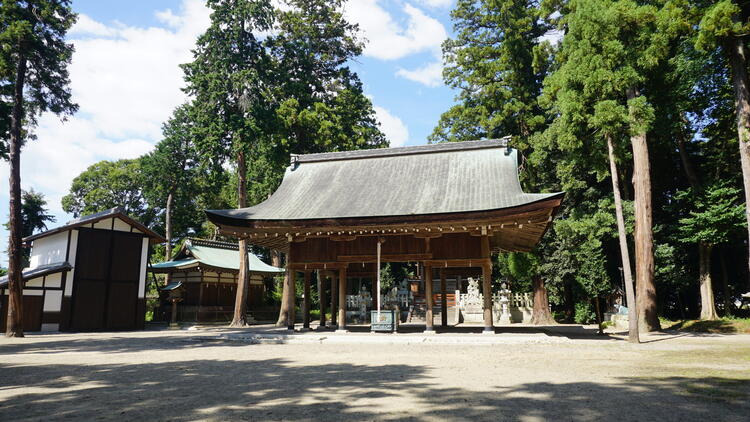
<point>206,270</point>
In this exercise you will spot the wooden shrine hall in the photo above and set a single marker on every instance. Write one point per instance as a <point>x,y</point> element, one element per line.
<point>448,205</point>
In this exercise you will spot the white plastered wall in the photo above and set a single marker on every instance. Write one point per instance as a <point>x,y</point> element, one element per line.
<point>144,264</point>
<point>72,259</point>
<point>121,225</point>
<point>104,224</point>
<point>48,250</point>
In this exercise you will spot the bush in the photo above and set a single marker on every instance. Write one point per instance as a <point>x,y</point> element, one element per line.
<point>584,313</point>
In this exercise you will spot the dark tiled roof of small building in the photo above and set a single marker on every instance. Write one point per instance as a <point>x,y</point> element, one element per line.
<point>40,271</point>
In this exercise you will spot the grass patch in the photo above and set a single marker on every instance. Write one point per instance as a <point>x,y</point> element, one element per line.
<point>717,389</point>
<point>719,326</point>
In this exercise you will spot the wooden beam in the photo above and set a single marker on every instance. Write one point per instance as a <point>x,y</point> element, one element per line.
<point>385,258</point>
<point>291,285</point>
<point>443,300</point>
<point>428,298</point>
<point>342,299</point>
<point>303,266</point>
<point>341,238</point>
<point>430,235</point>
<point>487,285</point>
<point>322,296</point>
<point>456,263</point>
<point>306,301</point>
<point>334,297</point>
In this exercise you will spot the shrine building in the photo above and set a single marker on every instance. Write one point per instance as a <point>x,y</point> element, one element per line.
<point>447,206</point>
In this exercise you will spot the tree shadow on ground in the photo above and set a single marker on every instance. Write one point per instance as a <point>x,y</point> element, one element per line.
<point>112,343</point>
<point>279,389</point>
<point>720,326</point>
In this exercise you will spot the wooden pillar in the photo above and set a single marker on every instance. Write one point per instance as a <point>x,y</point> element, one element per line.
<point>428,298</point>
<point>334,298</point>
<point>342,299</point>
<point>487,285</point>
<point>292,283</point>
<point>322,297</point>
<point>443,300</point>
<point>306,302</point>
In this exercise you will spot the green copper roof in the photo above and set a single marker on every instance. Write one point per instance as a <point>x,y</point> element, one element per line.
<point>219,255</point>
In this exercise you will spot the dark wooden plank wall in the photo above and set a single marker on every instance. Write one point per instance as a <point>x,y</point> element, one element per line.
<point>105,290</point>
<point>32,313</point>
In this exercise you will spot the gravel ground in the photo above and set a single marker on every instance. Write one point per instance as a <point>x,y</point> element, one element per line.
<point>194,375</point>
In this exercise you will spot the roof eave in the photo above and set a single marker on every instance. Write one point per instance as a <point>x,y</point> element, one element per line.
<point>218,218</point>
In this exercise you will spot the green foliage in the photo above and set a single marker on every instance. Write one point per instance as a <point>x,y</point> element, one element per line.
<point>109,184</point>
<point>721,20</point>
<point>322,106</point>
<point>496,62</point>
<point>584,313</point>
<point>34,213</point>
<point>519,268</point>
<point>228,79</point>
<point>718,212</point>
<point>278,289</point>
<point>33,31</point>
<point>174,168</point>
<point>289,92</point>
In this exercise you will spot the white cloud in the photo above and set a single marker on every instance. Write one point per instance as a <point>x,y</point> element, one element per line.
<point>394,129</point>
<point>87,26</point>
<point>430,74</point>
<point>554,36</point>
<point>388,39</point>
<point>436,3</point>
<point>126,80</point>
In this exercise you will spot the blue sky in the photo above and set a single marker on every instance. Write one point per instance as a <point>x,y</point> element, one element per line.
<point>126,79</point>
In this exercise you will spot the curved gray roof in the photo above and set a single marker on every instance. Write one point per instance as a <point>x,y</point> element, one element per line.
<point>427,179</point>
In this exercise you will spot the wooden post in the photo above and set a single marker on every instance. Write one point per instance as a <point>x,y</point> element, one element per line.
<point>342,299</point>
<point>487,293</point>
<point>429,328</point>
<point>306,302</point>
<point>334,298</point>
<point>291,277</point>
<point>322,297</point>
<point>487,285</point>
<point>173,323</point>
<point>443,300</point>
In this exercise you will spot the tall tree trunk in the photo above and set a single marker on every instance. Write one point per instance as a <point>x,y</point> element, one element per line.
<point>541,315</point>
<point>240,304</point>
<point>704,252</point>
<point>737,53</point>
<point>633,335</point>
<point>708,309</point>
<point>283,320</point>
<point>687,163</point>
<point>168,231</point>
<point>14,326</point>
<point>725,285</point>
<point>570,309</point>
<point>648,317</point>
<point>599,318</point>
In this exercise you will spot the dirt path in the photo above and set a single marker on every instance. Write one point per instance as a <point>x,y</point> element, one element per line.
<point>178,376</point>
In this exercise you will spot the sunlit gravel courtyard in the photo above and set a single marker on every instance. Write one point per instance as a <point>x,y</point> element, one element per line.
<point>196,375</point>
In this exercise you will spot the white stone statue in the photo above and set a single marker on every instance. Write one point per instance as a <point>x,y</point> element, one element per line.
<point>504,294</point>
<point>473,297</point>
